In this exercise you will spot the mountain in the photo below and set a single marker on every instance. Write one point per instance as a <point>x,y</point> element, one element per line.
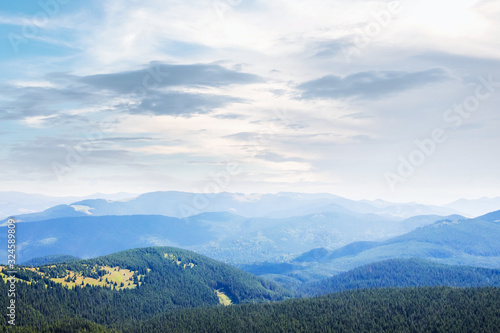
<point>377,310</point>
<point>404,273</point>
<point>472,208</point>
<point>19,203</point>
<point>406,210</point>
<point>132,286</point>
<point>280,205</point>
<point>464,241</point>
<point>452,241</point>
<point>88,237</point>
<point>222,236</point>
<point>50,259</point>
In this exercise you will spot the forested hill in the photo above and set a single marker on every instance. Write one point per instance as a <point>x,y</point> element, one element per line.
<point>430,309</point>
<point>50,259</point>
<point>404,273</point>
<point>427,309</point>
<point>130,286</point>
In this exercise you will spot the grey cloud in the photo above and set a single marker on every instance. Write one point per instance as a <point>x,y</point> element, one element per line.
<point>274,157</point>
<point>129,139</point>
<point>244,136</point>
<point>370,84</point>
<point>21,102</point>
<point>230,116</point>
<point>329,48</point>
<point>148,84</point>
<point>177,103</point>
<point>164,75</point>
<point>358,115</point>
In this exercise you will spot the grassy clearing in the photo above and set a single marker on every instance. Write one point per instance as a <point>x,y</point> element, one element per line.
<point>5,276</point>
<point>114,278</point>
<point>177,260</point>
<point>223,299</point>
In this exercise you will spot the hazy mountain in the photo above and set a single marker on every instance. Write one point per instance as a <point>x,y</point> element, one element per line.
<point>89,237</point>
<point>473,208</point>
<point>454,241</point>
<point>223,236</point>
<point>281,205</point>
<point>50,259</point>
<point>18,203</point>
<point>471,242</point>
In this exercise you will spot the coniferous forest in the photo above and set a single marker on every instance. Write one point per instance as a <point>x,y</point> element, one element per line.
<point>173,290</point>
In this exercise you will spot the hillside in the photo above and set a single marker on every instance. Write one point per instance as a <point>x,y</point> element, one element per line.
<point>132,285</point>
<point>472,242</point>
<point>451,241</point>
<point>379,310</point>
<point>433,309</point>
<point>404,273</point>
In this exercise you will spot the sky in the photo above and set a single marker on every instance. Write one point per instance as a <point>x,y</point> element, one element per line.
<point>396,100</point>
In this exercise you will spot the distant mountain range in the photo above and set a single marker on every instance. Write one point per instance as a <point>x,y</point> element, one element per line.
<point>476,207</point>
<point>281,205</point>
<point>222,236</point>
<point>289,237</point>
<point>19,203</point>
<point>453,241</point>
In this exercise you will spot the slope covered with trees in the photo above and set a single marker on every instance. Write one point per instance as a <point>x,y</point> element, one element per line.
<point>433,309</point>
<point>153,281</point>
<point>404,273</point>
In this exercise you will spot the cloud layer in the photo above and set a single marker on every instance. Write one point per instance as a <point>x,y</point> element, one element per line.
<point>317,96</point>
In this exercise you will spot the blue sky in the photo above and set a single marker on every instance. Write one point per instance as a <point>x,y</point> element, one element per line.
<point>366,99</point>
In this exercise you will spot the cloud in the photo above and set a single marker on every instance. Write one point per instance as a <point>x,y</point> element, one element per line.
<point>165,75</point>
<point>178,103</point>
<point>49,150</point>
<point>149,87</point>
<point>275,157</point>
<point>369,84</point>
<point>21,102</point>
<point>329,48</point>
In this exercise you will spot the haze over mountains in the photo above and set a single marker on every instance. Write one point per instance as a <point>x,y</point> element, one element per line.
<point>17,203</point>
<point>184,204</point>
<point>253,229</point>
<point>278,245</point>
<point>290,238</point>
